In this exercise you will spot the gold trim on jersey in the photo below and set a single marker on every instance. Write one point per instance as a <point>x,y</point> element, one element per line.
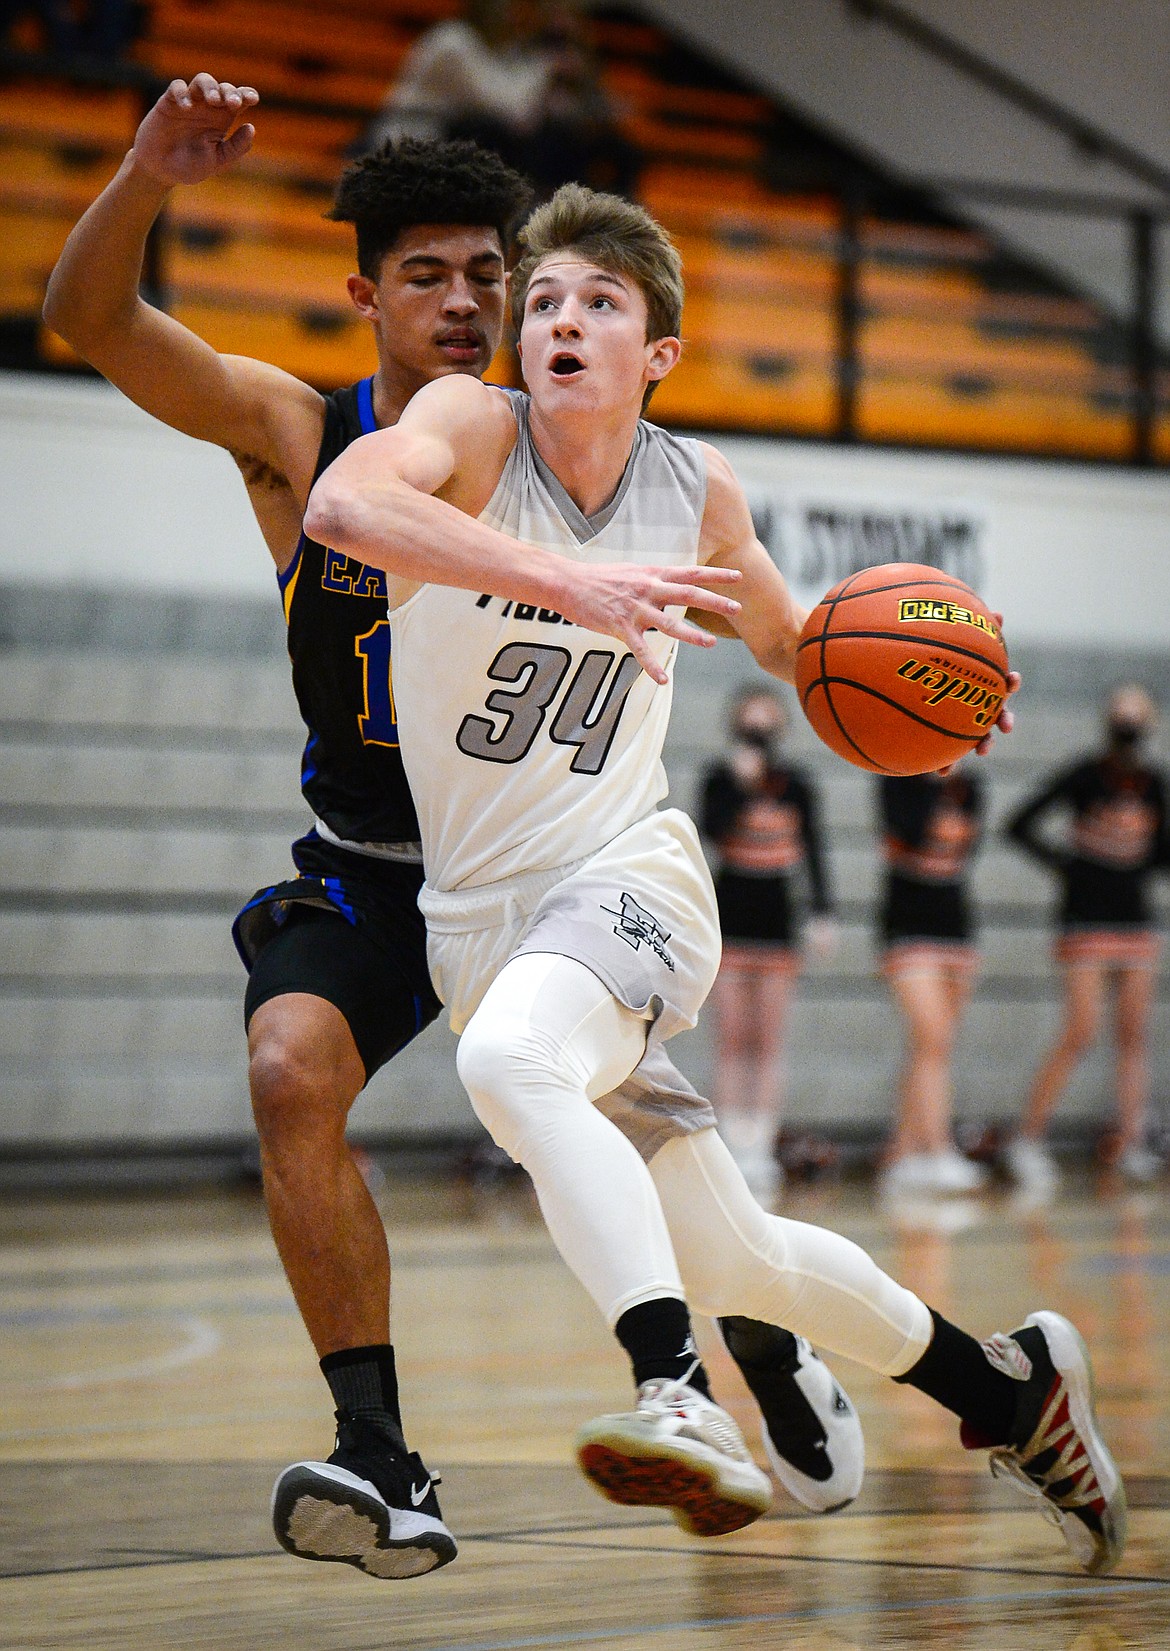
<point>288,590</point>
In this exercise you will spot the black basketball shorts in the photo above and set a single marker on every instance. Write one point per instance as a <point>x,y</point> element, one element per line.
<point>348,930</point>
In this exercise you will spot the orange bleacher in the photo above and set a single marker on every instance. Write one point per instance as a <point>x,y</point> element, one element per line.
<point>946,356</point>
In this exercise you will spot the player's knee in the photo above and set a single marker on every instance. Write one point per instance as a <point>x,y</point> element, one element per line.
<point>513,1079</point>
<point>291,1087</point>
<point>486,1063</point>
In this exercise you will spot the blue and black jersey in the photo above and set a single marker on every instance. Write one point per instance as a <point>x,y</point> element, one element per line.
<point>339,643</point>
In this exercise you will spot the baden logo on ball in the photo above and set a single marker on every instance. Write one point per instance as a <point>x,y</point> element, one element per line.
<point>901,669</point>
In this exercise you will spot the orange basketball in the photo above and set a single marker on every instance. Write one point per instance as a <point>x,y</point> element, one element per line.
<point>901,669</point>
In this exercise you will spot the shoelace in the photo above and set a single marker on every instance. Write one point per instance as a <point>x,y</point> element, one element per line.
<point>675,1395</point>
<point>1006,1465</point>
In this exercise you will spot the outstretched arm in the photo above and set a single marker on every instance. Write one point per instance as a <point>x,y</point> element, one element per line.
<point>407,500</point>
<point>193,132</point>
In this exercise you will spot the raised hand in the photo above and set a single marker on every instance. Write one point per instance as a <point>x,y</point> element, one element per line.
<point>188,135</point>
<point>626,600</point>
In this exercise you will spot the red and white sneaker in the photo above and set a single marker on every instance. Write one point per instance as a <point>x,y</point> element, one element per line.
<point>1057,1454</point>
<point>680,1451</point>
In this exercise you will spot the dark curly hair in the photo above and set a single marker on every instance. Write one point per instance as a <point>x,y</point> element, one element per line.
<point>414,182</point>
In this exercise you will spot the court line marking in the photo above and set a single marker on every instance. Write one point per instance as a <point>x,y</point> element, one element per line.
<point>145,1425</point>
<point>593,1636</point>
<point>152,1557</point>
<point>770,1555</point>
<point>57,1318</point>
<point>200,1340</point>
<point>262,1268</point>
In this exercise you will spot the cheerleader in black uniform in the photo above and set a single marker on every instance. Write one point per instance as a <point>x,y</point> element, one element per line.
<point>763,817</point>
<point>931,826</point>
<point>1119,835</point>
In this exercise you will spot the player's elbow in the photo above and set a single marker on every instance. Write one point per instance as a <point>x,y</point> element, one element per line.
<point>335,514</point>
<point>74,318</point>
<point>60,316</point>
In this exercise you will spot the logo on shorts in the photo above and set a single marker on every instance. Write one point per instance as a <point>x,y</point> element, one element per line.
<point>636,925</point>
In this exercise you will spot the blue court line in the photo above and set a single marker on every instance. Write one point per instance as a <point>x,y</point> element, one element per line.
<point>591,1636</point>
<point>1158,1265</point>
<point>49,1318</point>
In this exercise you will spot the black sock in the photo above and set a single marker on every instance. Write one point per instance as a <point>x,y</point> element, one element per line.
<point>955,1371</point>
<point>657,1336</point>
<point>758,1346</point>
<point>364,1383</point>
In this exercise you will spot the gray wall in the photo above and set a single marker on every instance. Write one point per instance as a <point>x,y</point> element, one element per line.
<point>149,753</point>
<point>885,97</point>
<point>148,761</point>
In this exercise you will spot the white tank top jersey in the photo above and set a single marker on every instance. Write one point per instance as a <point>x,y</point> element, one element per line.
<point>528,742</point>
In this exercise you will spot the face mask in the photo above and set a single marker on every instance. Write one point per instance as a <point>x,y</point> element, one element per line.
<point>760,738</point>
<point>1127,735</point>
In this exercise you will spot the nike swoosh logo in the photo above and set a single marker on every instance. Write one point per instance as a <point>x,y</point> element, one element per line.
<point>417,1497</point>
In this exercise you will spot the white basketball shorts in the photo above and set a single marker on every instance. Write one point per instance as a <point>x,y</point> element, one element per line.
<point>640,913</point>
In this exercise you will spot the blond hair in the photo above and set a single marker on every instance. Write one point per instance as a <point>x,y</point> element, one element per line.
<point>615,234</point>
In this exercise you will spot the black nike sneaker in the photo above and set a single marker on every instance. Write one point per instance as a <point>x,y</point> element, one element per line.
<point>1056,1453</point>
<point>368,1505</point>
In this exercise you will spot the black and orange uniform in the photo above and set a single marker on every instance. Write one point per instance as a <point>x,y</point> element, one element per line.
<point>347,928</point>
<point>1118,835</point>
<point>931,826</point>
<point>766,837</point>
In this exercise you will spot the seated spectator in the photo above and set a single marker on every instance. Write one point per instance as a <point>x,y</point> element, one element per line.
<point>102,28</point>
<point>515,76</point>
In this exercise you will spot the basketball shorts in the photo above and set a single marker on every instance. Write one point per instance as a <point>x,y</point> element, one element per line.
<point>640,913</point>
<point>348,930</point>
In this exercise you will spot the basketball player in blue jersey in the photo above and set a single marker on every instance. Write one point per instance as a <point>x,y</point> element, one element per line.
<point>338,979</point>
<point>572,923</point>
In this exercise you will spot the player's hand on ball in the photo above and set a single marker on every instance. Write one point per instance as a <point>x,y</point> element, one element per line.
<point>1006,719</point>
<point>188,135</point>
<point>627,601</point>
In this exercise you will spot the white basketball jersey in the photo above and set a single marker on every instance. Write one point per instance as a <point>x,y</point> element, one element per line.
<point>528,742</point>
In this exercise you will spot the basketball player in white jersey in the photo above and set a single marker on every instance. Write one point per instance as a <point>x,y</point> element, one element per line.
<point>572,922</point>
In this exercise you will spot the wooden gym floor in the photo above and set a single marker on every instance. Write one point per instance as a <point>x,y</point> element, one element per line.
<point>154,1377</point>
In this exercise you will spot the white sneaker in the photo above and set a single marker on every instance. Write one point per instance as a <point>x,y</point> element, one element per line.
<point>677,1450</point>
<point>1139,1164</point>
<point>951,1172</point>
<point>813,1437</point>
<point>1031,1165</point>
<point>931,1174</point>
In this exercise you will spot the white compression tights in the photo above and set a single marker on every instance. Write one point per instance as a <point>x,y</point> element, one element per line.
<point>547,1040</point>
